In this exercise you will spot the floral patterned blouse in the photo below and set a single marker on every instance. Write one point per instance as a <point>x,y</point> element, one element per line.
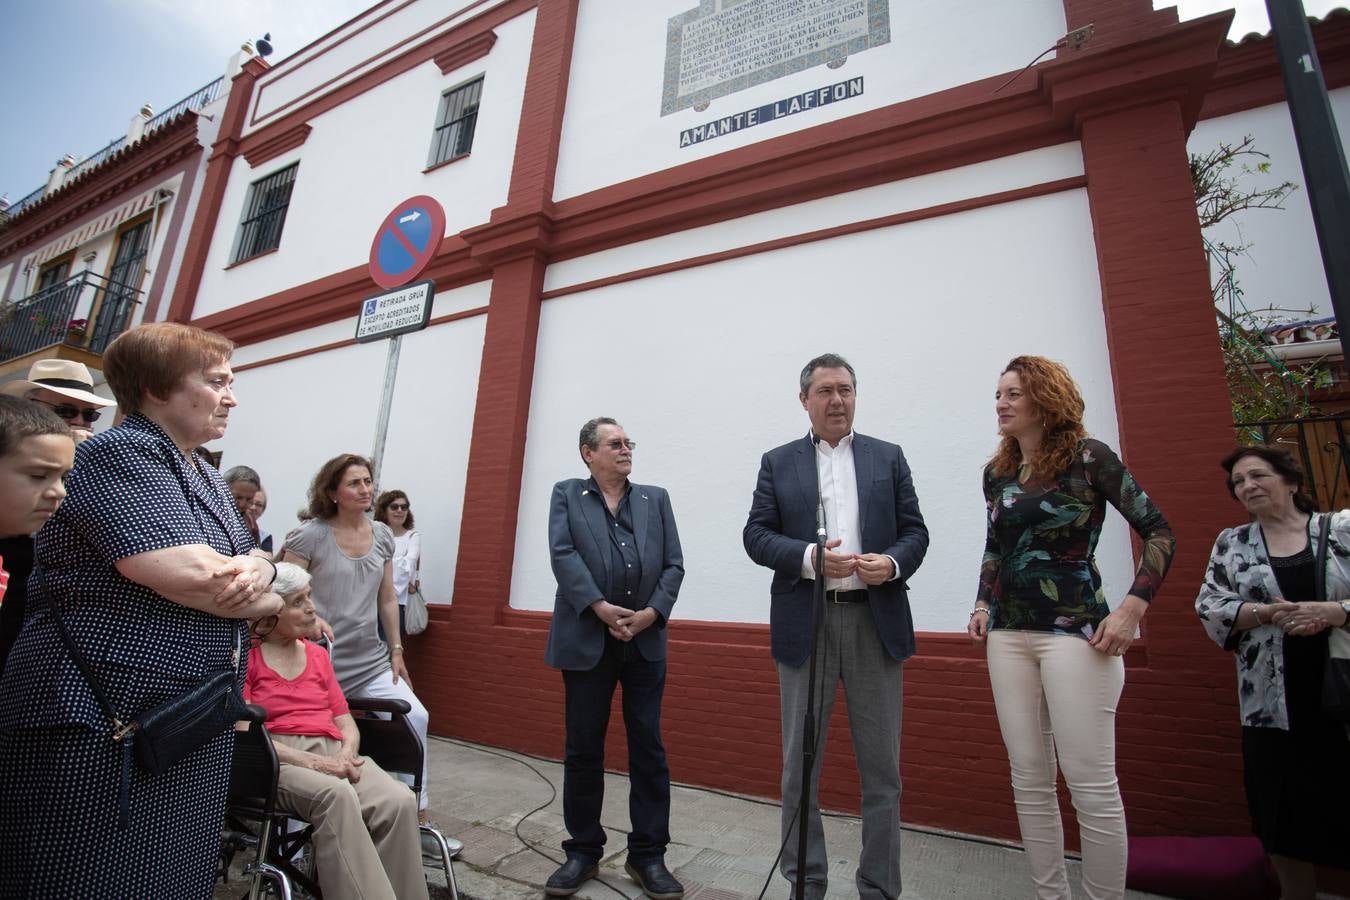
<point>1239,572</point>
<point>1039,573</point>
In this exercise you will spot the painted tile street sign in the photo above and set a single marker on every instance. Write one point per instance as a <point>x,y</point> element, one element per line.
<point>406,241</point>
<point>395,312</point>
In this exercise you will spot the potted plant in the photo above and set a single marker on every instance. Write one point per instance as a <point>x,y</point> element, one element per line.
<point>76,330</point>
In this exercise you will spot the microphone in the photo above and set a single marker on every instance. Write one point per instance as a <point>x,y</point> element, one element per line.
<point>821,533</point>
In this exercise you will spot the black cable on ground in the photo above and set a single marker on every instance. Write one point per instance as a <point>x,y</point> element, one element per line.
<point>553,795</point>
<point>970,838</point>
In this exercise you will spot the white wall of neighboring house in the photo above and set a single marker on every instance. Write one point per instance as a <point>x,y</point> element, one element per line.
<point>295,414</point>
<point>927,357</point>
<point>363,157</point>
<point>1283,265</point>
<point>613,130</point>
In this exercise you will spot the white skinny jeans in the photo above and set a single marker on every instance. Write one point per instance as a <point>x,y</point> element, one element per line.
<point>1055,694</point>
<point>382,687</point>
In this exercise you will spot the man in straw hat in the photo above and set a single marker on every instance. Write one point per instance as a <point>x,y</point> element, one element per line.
<point>67,389</point>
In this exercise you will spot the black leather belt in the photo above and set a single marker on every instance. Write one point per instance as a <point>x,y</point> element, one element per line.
<point>846,596</point>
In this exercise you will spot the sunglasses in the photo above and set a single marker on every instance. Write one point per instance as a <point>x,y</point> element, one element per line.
<point>617,444</point>
<point>70,413</point>
<point>397,507</point>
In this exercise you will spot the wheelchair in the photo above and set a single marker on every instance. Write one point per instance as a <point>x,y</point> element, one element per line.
<point>252,819</point>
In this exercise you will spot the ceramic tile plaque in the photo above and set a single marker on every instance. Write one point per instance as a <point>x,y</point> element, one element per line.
<point>725,46</point>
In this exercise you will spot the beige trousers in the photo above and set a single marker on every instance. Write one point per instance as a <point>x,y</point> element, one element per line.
<point>366,843</point>
<point>1056,699</point>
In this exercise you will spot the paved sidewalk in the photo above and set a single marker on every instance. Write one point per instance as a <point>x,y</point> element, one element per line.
<point>722,847</point>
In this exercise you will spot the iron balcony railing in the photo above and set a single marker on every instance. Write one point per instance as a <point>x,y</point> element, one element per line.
<point>85,311</point>
<point>18,206</point>
<point>194,101</point>
<point>98,158</point>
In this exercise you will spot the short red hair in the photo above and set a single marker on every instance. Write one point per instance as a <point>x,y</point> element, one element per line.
<point>153,358</point>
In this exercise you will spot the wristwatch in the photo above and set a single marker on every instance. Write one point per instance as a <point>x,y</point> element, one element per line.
<point>1345,606</point>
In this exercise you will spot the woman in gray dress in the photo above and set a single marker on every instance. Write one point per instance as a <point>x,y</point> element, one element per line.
<point>350,559</point>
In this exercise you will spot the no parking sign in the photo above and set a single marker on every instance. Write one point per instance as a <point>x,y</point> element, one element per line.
<point>406,241</point>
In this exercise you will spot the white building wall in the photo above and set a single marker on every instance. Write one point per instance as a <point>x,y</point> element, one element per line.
<point>613,129</point>
<point>295,415</point>
<point>981,179</point>
<point>701,366</point>
<point>1283,265</point>
<point>362,158</point>
<point>353,49</point>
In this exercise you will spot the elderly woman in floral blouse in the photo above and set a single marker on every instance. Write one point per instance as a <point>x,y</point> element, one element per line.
<point>1258,601</point>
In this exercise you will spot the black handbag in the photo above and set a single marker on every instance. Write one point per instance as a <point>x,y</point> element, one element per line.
<point>161,736</point>
<point>1336,675</point>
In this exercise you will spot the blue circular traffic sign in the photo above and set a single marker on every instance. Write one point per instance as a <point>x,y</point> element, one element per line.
<point>406,241</point>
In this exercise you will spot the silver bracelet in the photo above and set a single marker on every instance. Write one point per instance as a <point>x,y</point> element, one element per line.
<point>981,609</point>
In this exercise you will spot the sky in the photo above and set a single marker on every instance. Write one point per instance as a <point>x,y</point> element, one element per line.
<point>76,71</point>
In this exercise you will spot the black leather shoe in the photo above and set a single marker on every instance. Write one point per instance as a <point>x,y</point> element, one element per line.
<point>570,876</point>
<point>655,879</point>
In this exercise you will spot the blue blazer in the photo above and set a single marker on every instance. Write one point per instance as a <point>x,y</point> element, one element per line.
<point>578,532</point>
<point>782,523</point>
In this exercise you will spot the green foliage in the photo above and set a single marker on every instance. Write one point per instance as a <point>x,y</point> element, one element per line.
<point>1261,385</point>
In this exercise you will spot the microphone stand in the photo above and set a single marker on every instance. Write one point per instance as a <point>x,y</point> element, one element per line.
<point>809,722</point>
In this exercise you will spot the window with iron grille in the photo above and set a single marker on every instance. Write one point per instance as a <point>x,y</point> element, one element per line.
<point>455,121</point>
<point>53,273</point>
<point>264,214</point>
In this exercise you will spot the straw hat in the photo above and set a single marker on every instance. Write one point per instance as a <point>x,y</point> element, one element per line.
<point>61,376</point>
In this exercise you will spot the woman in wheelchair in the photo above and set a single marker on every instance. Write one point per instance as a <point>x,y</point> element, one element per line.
<point>366,840</point>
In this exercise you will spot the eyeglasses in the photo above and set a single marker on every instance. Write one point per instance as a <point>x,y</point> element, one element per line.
<point>397,507</point>
<point>70,413</point>
<point>617,444</point>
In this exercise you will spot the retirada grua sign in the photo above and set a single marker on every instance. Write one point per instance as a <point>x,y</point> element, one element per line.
<point>395,312</point>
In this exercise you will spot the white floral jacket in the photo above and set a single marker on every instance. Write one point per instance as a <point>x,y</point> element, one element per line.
<point>1239,572</point>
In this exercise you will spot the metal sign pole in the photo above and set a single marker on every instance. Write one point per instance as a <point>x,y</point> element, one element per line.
<point>386,401</point>
<point>1319,149</point>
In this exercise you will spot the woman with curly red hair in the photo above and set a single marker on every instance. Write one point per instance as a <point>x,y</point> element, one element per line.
<point>1054,645</point>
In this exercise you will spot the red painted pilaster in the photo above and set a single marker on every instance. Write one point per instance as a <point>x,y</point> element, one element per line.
<point>522,708</point>
<point>218,165</point>
<point>1179,741</point>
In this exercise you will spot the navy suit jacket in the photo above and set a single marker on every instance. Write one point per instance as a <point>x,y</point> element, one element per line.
<point>783,522</point>
<point>578,540</point>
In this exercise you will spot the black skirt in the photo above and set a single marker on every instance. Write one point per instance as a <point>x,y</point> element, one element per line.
<point>1298,790</point>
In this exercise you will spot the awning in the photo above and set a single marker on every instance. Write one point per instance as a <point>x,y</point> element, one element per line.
<point>97,227</point>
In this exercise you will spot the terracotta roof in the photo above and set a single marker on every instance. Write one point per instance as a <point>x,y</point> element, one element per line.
<point>116,158</point>
<point>1256,37</point>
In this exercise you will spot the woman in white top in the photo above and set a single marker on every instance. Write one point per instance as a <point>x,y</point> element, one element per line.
<point>392,508</point>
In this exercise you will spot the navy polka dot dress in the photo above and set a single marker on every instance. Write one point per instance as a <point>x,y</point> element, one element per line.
<point>131,492</point>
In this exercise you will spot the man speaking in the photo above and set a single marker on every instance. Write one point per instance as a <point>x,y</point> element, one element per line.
<point>876,541</point>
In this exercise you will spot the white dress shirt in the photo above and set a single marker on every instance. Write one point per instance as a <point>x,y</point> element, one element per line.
<point>839,493</point>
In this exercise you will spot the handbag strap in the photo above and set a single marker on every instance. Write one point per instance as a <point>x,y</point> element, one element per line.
<point>78,657</point>
<point>1324,532</point>
<point>123,734</point>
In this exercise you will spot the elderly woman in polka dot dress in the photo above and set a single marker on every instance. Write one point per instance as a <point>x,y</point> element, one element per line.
<point>154,574</point>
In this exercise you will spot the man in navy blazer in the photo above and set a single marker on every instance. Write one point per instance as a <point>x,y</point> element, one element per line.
<point>877,539</point>
<point>616,556</point>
